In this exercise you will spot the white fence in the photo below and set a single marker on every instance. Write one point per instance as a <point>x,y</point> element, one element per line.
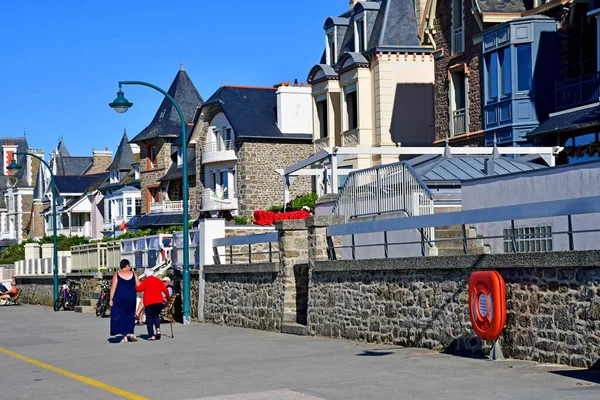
<point>96,256</point>
<point>147,251</point>
<point>44,266</point>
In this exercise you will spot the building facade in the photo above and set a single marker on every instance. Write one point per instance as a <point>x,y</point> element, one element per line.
<point>243,136</point>
<point>374,84</point>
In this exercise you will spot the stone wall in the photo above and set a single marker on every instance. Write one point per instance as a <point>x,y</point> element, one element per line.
<point>470,59</point>
<point>151,176</point>
<point>553,303</point>
<point>100,162</point>
<point>26,209</point>
<point>259,185</point>
<point>39,290</point>
<point>37,221</point>
<point>247,296</point>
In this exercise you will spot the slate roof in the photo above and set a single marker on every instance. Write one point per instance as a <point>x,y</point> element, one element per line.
<point>70,165</point>
<point>74,183</point>
<point>166,122</point>
<point>501,6</point>
<point>176,172</point>
<point>440,169</point>
<point>588,117</point>
<point>252,112</point>
<point>155,220</point>
<point>124,158</point>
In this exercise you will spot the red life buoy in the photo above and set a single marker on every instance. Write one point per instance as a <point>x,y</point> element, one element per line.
<point>487,304</point>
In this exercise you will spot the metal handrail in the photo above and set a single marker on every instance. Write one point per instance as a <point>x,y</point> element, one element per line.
<point>248,240</point>
<point>555,208</point>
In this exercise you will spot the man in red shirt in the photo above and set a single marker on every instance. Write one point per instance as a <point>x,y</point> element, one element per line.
<point>153,290</point>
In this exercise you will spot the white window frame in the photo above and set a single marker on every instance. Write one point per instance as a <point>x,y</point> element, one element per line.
<point>452,102</point>
<point>454,46</point>
<point>540,239</point>
<point>179,157</point>
<point>360,19</point>
<point>329,58</point>
<point>136,172</point>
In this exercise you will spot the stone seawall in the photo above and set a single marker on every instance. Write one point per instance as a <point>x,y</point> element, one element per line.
<point>247,296</point>
<point>39,289</point>
<point>553,303</point>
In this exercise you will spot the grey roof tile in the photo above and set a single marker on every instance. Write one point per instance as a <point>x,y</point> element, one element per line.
<point>252,112</point>
<point>124,158</point>
<point>582,118</point>
<point>74,184</point>
<point>166,121</point>
<point>501,6</point>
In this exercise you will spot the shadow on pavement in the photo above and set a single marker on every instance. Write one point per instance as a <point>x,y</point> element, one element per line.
<point>374,353</point>
<point>588,375</point>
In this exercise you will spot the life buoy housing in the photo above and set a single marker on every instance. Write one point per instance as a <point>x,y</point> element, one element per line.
<point>487,304</point>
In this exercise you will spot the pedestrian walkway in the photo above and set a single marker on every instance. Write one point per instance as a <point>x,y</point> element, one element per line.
<point>58,355</point>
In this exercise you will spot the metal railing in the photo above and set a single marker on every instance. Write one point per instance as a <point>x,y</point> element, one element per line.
<point>166,206</point>
<point>459,122</point>
<point>548,209</point>
<point>458,41</point>
<point>384,189</point>
<point>96,256</point>
<point>242,241</point>
<point>218,194</point>
<point>219,145</point>
<point>578,91</point>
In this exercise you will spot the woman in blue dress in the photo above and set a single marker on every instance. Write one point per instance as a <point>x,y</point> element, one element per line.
<point>122,302</point>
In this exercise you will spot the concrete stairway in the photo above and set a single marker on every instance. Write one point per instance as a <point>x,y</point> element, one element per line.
<point>455,247</point>
<point>86,306</point>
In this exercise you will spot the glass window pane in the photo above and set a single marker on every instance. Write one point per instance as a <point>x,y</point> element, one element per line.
<point>505,68</point>
<point>491,62</point>
<point>524,67</point>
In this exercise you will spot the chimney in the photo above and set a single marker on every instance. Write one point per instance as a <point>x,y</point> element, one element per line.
<point>488,167</point>
<point>294,108</point>
<point>8,151</point>
<point>101,161</point>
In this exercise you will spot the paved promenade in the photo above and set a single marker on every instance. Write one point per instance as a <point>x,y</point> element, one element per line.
<point>50,355</point>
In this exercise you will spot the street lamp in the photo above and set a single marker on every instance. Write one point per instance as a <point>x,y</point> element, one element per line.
<point>121,105</point>
<point>14,167</point>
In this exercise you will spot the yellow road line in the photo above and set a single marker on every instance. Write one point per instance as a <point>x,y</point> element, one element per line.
<point>89,381</point>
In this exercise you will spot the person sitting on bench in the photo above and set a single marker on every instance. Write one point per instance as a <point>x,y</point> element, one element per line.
<point>12,292</point>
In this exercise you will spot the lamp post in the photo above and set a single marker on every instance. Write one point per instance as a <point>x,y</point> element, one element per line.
<point>121,105</point>
<point>13,167</point>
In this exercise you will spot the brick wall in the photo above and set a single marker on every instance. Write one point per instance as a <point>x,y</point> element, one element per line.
<point>471,57</point>
<point>259,185</point>
<point>37,221</point>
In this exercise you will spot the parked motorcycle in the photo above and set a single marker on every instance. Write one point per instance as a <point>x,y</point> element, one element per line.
<point>103,303</point>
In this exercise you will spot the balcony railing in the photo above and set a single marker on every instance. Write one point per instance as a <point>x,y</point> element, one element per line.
<point>220,145</point>
<point>111,223</point>
<point>166,206</point>
<point>219,199</point>
<point>459,122</point>
<point>458,41</point>
<point>578,91</point>
<point>7,235</point>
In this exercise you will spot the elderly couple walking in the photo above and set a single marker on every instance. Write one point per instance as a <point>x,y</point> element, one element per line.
<point>125,285</point>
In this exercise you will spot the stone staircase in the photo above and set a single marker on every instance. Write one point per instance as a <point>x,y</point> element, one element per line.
<point>475,245</point>
<point>88,306</point>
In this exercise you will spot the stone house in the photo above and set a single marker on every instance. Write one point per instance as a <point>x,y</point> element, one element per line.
<point>16,190</point>
<point>160,145</point>
<point>373,86</point>
<point>242,136</point>
<point>454,28</point>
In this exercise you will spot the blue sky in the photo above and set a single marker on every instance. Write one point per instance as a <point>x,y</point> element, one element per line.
<point>61,60</point>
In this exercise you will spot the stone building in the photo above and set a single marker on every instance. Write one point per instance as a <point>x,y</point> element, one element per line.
<point>243,134</point>
<point>16,190</point>
<point>373,86</point>
<point>160,150</point>
<point>454,28</point>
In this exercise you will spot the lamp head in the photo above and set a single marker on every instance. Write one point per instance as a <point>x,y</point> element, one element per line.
<point>120,104</point>
<point>13,167</point>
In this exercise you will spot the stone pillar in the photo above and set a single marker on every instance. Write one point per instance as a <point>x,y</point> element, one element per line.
<point>208,230</point>
<point>47,250</point>
<point>32,251</point>
<point>293,271</point>
<point>317,236</point>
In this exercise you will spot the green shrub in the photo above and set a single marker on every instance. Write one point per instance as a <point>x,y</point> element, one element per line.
<point>13,253</point>
<point>242,220</point>
<point>275,209</point>
<point>308,199</point>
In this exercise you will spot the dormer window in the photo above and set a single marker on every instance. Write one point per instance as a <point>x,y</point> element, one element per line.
<point>113,176</point>
<point>179,157</point>
<point>136,172</point>
<point>360,36</point>
<point>331,50</point>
